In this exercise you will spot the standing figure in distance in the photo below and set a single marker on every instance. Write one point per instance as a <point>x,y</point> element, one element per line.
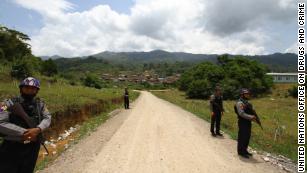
<point>20,147</point>
<point>217,110</point>
<point>126,98</point>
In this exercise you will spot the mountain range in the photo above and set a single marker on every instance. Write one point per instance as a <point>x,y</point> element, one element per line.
<point>277,62</point>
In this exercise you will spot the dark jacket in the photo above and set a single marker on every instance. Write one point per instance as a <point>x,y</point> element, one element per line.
<point>12,127</point>
<point>216,103</point>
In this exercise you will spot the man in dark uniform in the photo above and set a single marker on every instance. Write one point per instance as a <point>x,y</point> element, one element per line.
<point>20,148</point>
<point>245,115</point>
<point>217,110</point>
<point>126,98</point>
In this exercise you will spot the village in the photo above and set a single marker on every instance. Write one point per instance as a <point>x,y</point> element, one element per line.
<point>147,76</point>
<point>152,78</point>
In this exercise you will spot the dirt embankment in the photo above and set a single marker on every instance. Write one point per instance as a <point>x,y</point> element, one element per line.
<point>64,123</point>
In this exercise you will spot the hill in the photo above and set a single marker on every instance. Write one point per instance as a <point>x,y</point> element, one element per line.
<point>136,61</point>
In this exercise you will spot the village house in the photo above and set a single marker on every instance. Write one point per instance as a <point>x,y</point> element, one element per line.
<point>284,77</point>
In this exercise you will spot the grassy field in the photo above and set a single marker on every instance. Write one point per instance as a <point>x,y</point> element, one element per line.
<point>59,95</point>
<point>277,112</point>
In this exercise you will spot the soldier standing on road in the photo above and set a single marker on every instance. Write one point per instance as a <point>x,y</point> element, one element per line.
<point>126,98</point>
<point>217,110</point>
<point>245,115</point>
<point>21,144</point>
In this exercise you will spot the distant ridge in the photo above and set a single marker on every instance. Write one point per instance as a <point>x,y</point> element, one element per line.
<point>276,62</point>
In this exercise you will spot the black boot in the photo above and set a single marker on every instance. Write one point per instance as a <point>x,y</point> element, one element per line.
<point>219,134</point>
<point>244,155</point>
<point>248,153</point>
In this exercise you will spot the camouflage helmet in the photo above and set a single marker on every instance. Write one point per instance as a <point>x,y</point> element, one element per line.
<point>30,81</point>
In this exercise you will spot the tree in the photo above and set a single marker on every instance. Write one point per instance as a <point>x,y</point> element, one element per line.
<point>199,89</point>
<point>230,74</point>
<point>49,68</point>
<point>13,44</point>
<point>199,81</point>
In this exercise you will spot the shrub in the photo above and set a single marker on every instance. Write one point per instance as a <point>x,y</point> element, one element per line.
<point>293,91</point>
<point>92,81</point>
<point>21,70</point>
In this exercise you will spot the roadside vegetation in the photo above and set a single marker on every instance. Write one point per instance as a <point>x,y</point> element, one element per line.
<point>276,110</point>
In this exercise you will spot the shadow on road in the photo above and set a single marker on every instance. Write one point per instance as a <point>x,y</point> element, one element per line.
<point>250,160</point>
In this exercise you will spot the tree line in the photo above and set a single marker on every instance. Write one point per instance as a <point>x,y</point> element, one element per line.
<point>230,74</point>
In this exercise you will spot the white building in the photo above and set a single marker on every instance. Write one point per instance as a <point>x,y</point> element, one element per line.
<point>284,77</point>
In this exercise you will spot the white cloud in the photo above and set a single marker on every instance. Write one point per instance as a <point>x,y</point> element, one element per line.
<point>197,26</point>
<point>48,8</point>
<point>292,48</point>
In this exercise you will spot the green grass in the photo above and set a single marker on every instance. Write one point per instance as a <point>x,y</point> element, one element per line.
<point>60,94</point>
<point>275,112</point>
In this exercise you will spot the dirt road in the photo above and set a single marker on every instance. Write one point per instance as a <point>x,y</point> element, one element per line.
<point>156,136</point>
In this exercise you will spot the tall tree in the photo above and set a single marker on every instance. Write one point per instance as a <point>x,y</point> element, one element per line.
<point>13,44</point>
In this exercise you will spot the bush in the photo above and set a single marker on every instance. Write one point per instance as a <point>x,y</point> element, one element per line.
<point>293,91</point>
<point>21,70</point>
<point>25,67</point>
<point>92,81</point>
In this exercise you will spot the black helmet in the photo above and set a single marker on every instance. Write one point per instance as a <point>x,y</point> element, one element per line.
<point>218,88</point>
<point>244,91</point>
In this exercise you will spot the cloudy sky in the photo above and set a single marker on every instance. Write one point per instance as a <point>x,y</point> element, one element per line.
<point>84,27</point>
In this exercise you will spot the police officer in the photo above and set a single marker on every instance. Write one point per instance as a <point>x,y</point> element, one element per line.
<point>21,144</point>
<point>126,98</point>
<point>245,115</point>
<point>217,110</point>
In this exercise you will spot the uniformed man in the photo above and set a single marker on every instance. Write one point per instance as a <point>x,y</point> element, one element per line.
<point>126,98</point>
<point>245,115</point>
<point>21,144</point>
<point>217,110</point>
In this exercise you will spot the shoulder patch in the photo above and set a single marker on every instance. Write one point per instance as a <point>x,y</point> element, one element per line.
<point>3,107</point>
<point>241,106</point>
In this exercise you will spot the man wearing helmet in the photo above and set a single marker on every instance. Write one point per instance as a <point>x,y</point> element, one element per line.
<point>20,148</point>
<point>217,110</point>
<point>245,115</point>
